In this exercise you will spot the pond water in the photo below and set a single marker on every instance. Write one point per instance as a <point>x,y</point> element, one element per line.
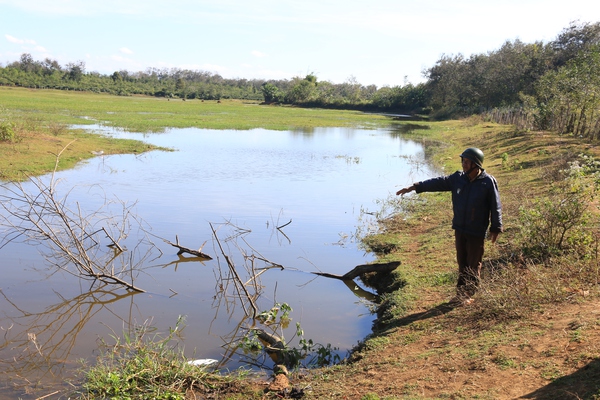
<point>225,191</point>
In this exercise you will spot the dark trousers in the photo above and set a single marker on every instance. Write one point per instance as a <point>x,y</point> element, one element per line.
<point>469,253</point>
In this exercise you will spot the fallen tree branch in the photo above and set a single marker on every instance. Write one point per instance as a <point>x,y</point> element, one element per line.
<point>111,278</point>
<point>182,259</point>
<point>362,269</point>
<point>114,242</point>
<point>197,253</point>
<point>274,346</point>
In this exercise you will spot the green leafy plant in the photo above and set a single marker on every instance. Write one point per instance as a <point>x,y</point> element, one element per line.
<point>504,362</point>
<point>7,131</point>
<point>306,353</point>
<point>558,222</point>
<point>505,160</point>
<point>270,316</point>
<point>144,364</point>
<point>509,164</point>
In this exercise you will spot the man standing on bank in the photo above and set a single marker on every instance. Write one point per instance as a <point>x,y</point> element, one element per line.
<point>476,205</point>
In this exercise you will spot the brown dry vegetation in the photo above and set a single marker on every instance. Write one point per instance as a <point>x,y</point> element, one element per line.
<point>534,329</point>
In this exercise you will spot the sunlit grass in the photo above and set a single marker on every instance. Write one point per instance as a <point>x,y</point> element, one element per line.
<point>419,232</point>
<point>34,150</point>
<point>150,114</point>
<point>150,365</point>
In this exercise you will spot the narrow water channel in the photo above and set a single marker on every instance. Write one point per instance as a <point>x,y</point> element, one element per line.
<point>319,186</point>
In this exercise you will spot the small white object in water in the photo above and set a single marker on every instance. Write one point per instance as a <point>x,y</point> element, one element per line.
<point>203,362</point>
<point>98,153</point>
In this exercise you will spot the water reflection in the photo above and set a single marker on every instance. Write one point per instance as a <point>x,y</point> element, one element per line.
<point>186,259</point>
<point>37,343</point>
<point>360,292</point>
<point>407,128</point>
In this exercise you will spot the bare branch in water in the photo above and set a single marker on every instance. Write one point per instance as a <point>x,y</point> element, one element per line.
<point>239,284</point>
<point>182,249</point>
<point>68,237</point>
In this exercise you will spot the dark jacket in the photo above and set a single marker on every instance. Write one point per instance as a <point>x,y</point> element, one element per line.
<point>475,203</point>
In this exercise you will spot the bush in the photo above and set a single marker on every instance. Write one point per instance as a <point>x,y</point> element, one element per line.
<point>561,221</point>
<point>7,131</point>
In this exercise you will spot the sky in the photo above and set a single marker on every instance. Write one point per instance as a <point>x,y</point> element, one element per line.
<point>373,42</point>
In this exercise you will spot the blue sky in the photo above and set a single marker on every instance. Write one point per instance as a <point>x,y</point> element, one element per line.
<point>381,42</point>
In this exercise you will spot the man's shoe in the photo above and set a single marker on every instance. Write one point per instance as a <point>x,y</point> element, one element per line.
<point>461,301</point>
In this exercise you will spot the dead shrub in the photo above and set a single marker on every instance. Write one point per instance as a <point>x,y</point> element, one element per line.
<point>512,289</point>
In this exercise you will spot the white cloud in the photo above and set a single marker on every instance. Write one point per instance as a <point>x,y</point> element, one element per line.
<point>15,40</point>
<point>257,53</point>
<point>125,50</point>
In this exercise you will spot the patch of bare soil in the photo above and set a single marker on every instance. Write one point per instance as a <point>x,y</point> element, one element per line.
<point>431,354</point>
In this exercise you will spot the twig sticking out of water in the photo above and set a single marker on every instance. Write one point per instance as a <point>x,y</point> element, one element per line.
<point>284,225</point>
<point>239,284</point>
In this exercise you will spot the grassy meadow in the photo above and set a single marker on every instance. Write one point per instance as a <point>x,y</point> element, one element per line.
<point>34,124</point>
<point>150,114</point>
<point>534,328</point>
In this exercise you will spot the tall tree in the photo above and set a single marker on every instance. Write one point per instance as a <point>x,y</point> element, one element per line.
<point>575,38</point>
<point>270,92</point>
<point>446,82</point>
<point>303,90</point>
<point>570,97</point>
<point>76,70</point>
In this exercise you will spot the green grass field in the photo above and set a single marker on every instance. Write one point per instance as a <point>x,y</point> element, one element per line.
<point>149,114</point>
<point>35,124</point>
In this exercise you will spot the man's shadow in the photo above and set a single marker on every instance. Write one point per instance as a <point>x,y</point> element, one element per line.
<point>581,384</point>
<point>441,309</point>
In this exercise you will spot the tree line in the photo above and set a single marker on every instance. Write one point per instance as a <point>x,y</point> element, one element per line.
<point>554,85</point>
<point>189,84</point>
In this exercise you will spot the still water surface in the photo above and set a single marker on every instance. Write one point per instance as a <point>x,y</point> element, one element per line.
<point>246,184</point>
